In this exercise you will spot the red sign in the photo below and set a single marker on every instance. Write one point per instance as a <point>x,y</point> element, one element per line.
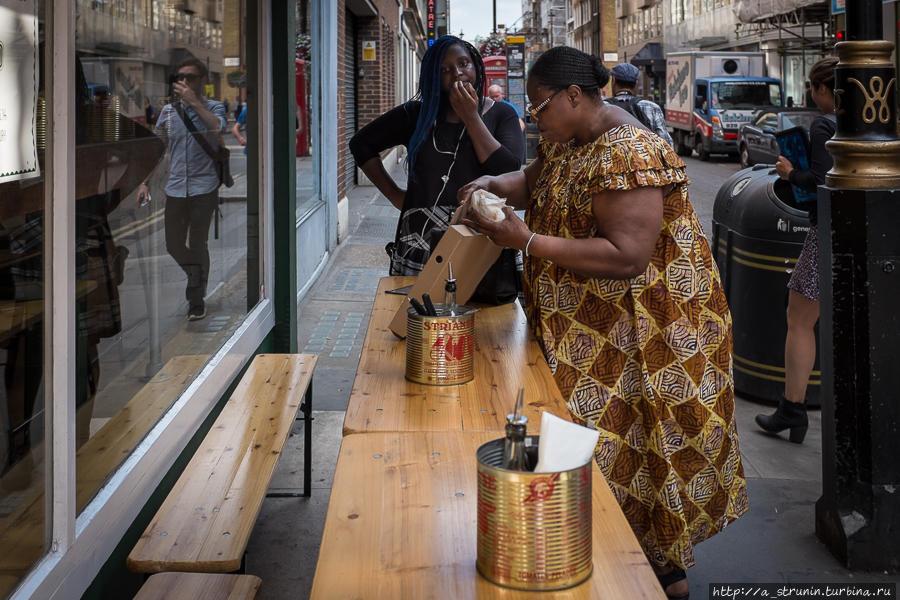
<point>430,20</point>
<point>678,116</point>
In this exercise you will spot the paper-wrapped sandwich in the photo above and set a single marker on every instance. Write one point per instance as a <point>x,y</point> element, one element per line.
<point>488,206</point>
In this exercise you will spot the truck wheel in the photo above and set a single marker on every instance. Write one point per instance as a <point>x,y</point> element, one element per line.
<point>702,153</point>
<point>680,146</point>
<point>745,157</point>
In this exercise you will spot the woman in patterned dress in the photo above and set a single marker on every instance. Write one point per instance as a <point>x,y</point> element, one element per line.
<point>624,296</point>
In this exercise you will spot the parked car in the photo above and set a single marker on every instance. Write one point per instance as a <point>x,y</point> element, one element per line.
<point>756,140</point>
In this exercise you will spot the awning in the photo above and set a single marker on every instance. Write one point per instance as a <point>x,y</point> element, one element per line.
<point>650,57</point>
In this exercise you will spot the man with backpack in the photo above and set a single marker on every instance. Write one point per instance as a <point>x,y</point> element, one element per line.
<point>623,78</point>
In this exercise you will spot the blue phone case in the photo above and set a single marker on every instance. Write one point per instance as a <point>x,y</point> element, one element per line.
<point>794,145</point>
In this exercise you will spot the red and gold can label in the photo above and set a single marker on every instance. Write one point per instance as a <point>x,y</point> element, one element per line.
<point>440,350</point>
<point>534,529</point>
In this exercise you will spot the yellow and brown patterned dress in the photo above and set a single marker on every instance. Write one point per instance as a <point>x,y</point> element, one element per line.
<point>647,361</point>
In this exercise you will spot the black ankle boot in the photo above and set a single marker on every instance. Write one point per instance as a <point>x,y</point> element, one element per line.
<point>790,415</point>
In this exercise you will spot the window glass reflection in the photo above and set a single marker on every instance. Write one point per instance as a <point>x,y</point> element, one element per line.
<point>23,139</point>
<point>161,213</point>
<point>307,183</point>
<point>161,230</point>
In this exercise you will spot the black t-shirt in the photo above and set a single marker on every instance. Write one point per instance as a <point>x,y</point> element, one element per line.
<point>820,161</point>
<point>429,202</point>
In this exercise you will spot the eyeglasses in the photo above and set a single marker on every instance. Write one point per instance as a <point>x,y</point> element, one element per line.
<point>187,76</point>
<point>534,111</point>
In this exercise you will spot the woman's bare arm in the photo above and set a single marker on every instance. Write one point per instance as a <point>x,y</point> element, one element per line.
<point>378,175</point>
<point>628,224</point>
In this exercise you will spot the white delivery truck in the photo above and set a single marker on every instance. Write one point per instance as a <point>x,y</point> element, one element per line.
<point>709,95</point>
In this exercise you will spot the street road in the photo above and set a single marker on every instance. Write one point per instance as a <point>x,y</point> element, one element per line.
<point>706,179</point>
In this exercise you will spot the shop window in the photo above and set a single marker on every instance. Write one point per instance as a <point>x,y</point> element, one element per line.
<point>161,236</point>
<point>160,250</point>
<point>23,144</point>
<point>308,195</point>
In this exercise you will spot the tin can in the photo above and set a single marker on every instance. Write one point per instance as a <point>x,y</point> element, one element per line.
<point>440,350</point>
<point>534,529</point>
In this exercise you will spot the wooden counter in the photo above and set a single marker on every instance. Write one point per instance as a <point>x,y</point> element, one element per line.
<point>402,524</point>
<point>507,357</point>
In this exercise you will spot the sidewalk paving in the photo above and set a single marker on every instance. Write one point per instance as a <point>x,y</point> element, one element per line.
<point>773,543</point>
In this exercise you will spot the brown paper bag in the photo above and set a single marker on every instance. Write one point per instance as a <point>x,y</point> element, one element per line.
<point>471,255</point>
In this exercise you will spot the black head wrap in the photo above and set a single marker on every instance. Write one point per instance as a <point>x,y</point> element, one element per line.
<point>563,66</point>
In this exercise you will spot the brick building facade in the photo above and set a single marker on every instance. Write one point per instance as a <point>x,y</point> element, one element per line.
<point>367,78</point>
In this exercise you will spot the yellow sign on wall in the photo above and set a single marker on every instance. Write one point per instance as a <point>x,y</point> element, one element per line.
<point>368,50</point>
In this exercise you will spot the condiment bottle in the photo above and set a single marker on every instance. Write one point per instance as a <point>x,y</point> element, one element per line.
<point>450,292</point>
<point>514,457</point>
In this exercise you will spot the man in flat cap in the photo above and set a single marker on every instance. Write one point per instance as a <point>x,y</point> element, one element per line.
<point>623,78</point>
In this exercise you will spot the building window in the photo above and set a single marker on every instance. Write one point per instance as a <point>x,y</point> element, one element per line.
<point>308,189</point>
<point>677,11</point>
<point>160,259</point>
<point>24,450</point>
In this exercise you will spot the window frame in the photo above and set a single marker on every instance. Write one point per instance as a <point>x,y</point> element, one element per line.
<point>79,545</point>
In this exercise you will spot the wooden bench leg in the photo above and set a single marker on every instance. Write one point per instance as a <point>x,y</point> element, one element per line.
<point>307,441</point>
<point>306,407</point>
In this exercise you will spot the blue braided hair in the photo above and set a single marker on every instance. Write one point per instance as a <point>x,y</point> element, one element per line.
<point>429,92</point>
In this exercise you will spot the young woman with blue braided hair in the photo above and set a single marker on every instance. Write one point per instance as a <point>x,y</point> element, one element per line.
<point>452,133</point>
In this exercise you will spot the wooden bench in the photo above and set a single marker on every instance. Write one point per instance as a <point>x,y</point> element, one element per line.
<point>22,532</point>
<point>204,523</point>
<point>209,586</point>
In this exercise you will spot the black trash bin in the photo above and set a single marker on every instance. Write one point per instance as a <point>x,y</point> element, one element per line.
<point>758,232</point>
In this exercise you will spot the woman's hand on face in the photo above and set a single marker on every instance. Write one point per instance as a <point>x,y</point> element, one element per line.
<point>784,167</point>
<point>464,100</point>
<point>511,232</point>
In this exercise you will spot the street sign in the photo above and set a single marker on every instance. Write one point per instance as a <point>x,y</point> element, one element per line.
<point>840,6</point>
<point>515,64</point>
<point>368,50</point>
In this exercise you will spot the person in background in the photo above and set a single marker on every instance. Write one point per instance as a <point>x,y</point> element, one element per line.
<point>496,94</point>
<point>239,123</point>
<point>624,78</point>
<point>150,112</point>
<point>452,133</point>
<point>803,294</point>
<point>623,294</point>
<point>192,188</point>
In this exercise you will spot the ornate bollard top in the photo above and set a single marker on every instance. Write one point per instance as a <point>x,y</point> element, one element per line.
<point>866,145</point>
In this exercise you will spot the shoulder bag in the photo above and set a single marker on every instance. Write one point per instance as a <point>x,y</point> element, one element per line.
<point>221,158</point>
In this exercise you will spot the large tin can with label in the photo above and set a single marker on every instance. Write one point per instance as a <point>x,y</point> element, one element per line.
<point>440,350</point>
<point>534,529</point>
